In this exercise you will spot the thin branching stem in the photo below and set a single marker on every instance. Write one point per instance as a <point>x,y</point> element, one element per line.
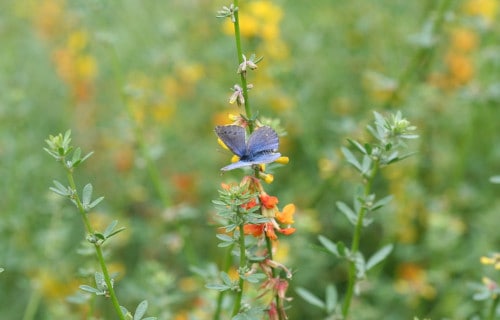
<point>97,247</point>
<point>356,240</point>
<point>243,79</point>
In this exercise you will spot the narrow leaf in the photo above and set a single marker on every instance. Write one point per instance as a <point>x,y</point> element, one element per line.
<point>95,202</point>
<point>379,256</point>
<point>89,289</point>
<point>331,298</point>
<point>124,311</point>
<point>351,158</point>
<point>224,237</point>
<point>381,203</point>
<point>87,194</point>
<point>347,211</point>
<point>358,146</point>
<point>366,165</point>
<point>225,278</point>
<point>76,156</point>
<point>141,310</point>
<point>217,286</point>
<point>87,156</point>
<point>116,232</point>
<point>310,298</point>
<point>342,249</point>
<point>329,245</point>
<point>110,228</point>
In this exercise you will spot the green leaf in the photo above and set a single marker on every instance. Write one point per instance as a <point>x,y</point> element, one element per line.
<point>329,245</point>
<point>358,146</point>
<point>86,156</point>
<point>310,297</point>
<point>331,298</point>
<point>255,277</point>
<point>115,232</point>
<point>110,228</point>
<point>59,189</point>
<point>87,194</point>
<point>75,160</point>
<point>366,165</point>
<point>225,237</point>
<point>347,211</point>
<point>351,158</point>
<point>381,203</point>
<point>95,203</point>
<point>225,278</point>
<point>125,313</point>
<point>140,310</point>
<point>217,286</point>
<point>379,256</point>
<point>342,249</point>
<point>359,262</point>
<point>90,289</point>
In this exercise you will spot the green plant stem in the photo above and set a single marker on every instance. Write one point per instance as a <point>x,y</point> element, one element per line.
<point>97,247</point>
<point>239,51</point>
<point>493,308</point>
<point>243,263</point>
<point>355,242</point>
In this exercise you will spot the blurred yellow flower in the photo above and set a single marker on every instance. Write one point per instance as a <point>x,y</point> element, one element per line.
<point>77,41</point>
<point>49,17</point>
<point>463,40</point>
<point>493,260</point>
<point>259,19</point>
<point>486,9</point>
<point>86,67</point>
<point>54,286</point>
<point>460,68</point>
<point>412,280</point>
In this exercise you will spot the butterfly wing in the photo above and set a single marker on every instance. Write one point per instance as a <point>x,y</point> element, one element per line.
<point>233,137</point>
<point>263,140</point>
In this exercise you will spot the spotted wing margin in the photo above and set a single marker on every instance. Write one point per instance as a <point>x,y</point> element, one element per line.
<point>233,137</point>
<point>263,141</point>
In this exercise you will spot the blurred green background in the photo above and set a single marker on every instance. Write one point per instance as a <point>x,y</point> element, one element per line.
<point>141,82</point>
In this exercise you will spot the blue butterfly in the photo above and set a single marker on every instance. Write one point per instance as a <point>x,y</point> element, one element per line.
<point>261,147</point>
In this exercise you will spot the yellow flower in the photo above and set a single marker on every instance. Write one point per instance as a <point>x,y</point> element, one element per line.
<point>286,215</point>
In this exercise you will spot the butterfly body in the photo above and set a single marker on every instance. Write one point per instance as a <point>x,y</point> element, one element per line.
<point>261,147</point>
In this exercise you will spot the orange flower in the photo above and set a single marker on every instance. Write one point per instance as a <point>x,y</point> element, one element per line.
<point>250,204</point>
<point>255,230</point>
<point>269,202</point>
